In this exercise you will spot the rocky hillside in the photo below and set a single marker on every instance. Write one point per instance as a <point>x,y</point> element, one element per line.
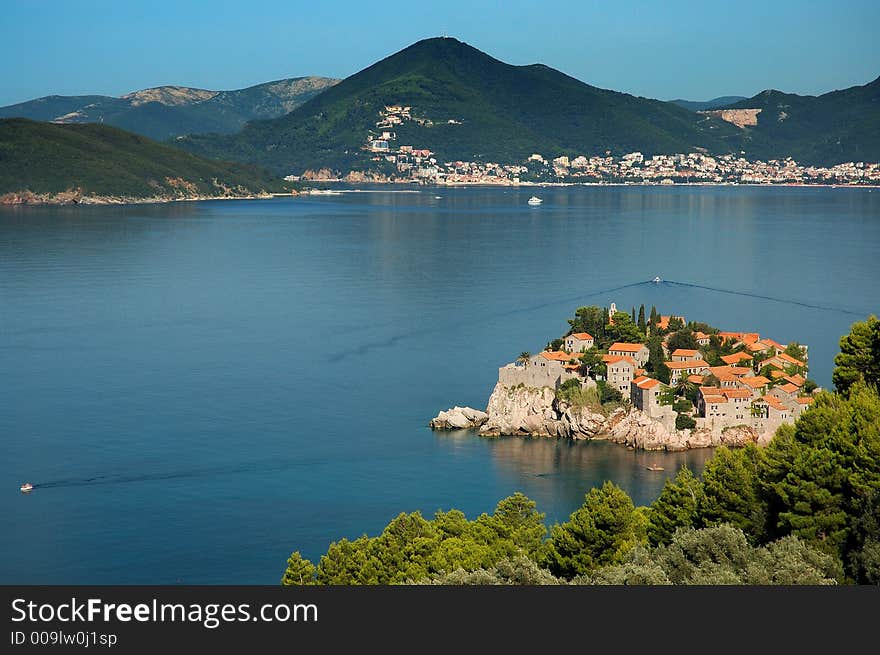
<point>169,111</point>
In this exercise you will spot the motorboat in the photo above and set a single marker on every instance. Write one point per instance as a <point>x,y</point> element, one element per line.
<point>535,200</point>
<point>26,487</point>
<point>657,280</point>
<point>654,467</point>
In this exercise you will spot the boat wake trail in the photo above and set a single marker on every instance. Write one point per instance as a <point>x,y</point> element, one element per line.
<point>113,479</point>
<point>393,340</point>
<point>787,301</point>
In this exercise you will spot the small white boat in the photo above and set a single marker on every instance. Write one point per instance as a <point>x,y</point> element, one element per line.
<point>535,200</point>
<point>26,487</point>
<point>654,467</point>
<point>657,280</point>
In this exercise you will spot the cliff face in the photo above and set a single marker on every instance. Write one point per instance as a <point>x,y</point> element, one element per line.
<point>527,411</point>
<point>639,430</point>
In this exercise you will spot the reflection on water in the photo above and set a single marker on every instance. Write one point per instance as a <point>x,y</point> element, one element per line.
<point>556,473</point>
<point>560,471</point>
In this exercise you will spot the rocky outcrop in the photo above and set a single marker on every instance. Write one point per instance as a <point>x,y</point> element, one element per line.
<point>536,412</point>
<point>320,175</point>
<point>522,410</point>
<point>458,418</point>
<point>739,117</point>
<point>360,177</point>
<point>639,430</point>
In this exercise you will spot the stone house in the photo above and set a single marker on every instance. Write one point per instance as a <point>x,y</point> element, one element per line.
<point>702,338</point>
<point>690,367</point>
<point>685,355</point>
<point>579,341</point>
<point>786,393</point>
<point>645,395</point>
<point>620,372</point>
<point>757,384</point>
<point>546,369</point>
<point>637,351</point>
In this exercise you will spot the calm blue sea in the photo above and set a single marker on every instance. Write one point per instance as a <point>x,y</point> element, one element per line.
<point>198,389</point>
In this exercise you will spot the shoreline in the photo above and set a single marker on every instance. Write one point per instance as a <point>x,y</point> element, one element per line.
<point>28,199</point>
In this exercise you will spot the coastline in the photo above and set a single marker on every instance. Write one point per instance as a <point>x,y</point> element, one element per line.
<point>27,198</point>
<point>71,198</point>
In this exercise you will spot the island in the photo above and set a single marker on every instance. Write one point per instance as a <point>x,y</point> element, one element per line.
<point>655,382</point>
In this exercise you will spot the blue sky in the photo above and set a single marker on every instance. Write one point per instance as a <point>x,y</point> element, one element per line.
<point>694,50</point>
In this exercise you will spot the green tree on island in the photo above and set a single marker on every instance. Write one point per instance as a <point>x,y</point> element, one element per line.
<point>682,339</point>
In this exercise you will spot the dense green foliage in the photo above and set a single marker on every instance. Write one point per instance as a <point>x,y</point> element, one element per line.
<point>831,128</point>
<point>682,339</point>
<point>676,507</point>
<point>224,113</point>
<point>602,531</point>
<point>684,422</point>
<point>103,160</point>
<point>859,357</point>
<point>413,548</point>
<point>803,510</point>
<point>718,556</point>
<point>505,113</point>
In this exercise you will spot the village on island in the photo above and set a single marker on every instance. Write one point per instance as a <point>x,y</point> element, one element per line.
<point>652,382</point>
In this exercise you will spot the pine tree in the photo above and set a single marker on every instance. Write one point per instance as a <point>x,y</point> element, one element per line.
<point>602,531</point>
<point>641,321</point>
<point>300,571</point>
<point>675,508</point>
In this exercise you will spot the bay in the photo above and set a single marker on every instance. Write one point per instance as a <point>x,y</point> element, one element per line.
<point>197,389</point>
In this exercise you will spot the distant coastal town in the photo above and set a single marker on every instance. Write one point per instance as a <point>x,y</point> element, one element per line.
<point>650,381</point>
<point>405,163</point>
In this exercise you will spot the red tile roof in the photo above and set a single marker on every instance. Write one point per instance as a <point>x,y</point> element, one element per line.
<point>583,336</point>
<point>613,359</point>
<point>755,382</point>
<point>680,366</point>
<point>796,380</point>
<point>736,393</point>
<point>556,355</point>
<point>626,347</point>
<point>804,400</point>
<point>684,352</point>
<point>774,402</point>
<point>735,358</point>
<point>791,360</point>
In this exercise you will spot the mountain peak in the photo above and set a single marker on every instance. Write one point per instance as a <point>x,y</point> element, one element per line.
<point>171,96</point>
